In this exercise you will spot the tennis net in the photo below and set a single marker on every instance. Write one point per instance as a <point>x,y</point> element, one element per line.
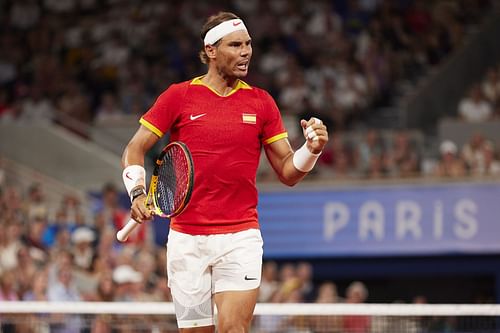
<point>269,318</point>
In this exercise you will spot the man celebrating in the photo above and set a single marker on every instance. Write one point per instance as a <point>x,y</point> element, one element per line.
<point>214,249</point>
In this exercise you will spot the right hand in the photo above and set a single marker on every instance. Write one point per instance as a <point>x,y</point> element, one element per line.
<point>140,211</point>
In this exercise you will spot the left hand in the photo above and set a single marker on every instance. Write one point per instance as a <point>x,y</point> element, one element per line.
<point>315,133</point>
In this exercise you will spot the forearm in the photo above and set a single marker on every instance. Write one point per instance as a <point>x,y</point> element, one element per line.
<point>289,174</point>
<point>291,167</point>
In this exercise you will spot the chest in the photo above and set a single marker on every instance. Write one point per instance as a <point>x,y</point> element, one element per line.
<point>220,122</point>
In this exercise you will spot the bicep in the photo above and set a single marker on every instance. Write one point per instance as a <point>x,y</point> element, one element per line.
<point>277,153</point>
<point>138,146</point>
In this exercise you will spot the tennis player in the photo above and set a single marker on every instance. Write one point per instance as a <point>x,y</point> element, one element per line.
<point>214,248</point>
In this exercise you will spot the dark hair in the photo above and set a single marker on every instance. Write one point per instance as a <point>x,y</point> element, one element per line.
<point>211,22</point>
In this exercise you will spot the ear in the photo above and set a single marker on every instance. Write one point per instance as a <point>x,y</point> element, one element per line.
<point>211,51</point>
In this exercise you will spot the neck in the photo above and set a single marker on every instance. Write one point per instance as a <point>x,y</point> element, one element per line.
<point>219,82</point>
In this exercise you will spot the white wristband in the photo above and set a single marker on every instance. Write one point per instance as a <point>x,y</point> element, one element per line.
<point>304,160</point>
<point>134,175</point>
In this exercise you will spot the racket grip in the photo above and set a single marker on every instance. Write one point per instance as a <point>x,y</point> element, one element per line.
<point>123,233</point>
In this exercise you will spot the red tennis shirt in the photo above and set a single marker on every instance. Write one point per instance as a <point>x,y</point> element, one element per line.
<point>225,135</point>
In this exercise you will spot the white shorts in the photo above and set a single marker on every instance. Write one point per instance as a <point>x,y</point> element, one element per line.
<point>199,266</point>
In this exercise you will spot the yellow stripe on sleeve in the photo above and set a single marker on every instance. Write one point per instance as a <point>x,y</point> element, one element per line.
<point>276,138</point>
<point>151,127</point>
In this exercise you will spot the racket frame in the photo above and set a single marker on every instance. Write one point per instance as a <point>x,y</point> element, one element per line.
<point>151,198</point>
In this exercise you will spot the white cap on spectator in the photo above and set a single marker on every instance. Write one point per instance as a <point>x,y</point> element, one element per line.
<point>126,274</point>
<point>82,234</point>
<point>448,146</point>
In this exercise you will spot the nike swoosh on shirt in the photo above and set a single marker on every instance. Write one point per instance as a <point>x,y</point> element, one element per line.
<point>197,116</point>
<point>235,24</point>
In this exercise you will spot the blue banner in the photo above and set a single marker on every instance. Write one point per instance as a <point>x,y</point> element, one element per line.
<point>379,221</point>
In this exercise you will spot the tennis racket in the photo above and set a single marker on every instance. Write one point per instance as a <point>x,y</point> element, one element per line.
<point>170,187</point>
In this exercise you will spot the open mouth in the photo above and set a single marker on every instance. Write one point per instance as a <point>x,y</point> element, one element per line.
<point>243,66</point>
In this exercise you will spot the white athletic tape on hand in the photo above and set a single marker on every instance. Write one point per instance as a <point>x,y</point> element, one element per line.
<point>317,121</point>
<point>312,135</point>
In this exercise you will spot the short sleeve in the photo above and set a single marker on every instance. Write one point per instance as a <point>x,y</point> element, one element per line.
<point>165,110</point>
<point>273,128</point>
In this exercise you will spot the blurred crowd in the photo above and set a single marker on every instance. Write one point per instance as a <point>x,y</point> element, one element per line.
<point>385,155</point>
<point>67,255</point>
<point>482,101</point>
<point>84,62</point>
<point>63,256</point>
<point>95,61</point>
<point>69,252</point>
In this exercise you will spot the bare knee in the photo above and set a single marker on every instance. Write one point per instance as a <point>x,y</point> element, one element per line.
<point>234,323</point>
<point>232,327</point>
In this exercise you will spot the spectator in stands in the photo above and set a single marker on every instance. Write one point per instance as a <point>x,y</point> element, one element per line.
<point>61,242</point>
<point>337,160</point>
<point>294,94</point>
<point>472,152</point>
<point>26,269</point>
<point>108,110</point>
<point>37,293</point>
<point>377,167</point>
<point>305,275</point>
<point>118,216</point>
<point>36,206</point>
<point>73,107</point>
<point>491,86</point>
<point>36,108</point>
<point>370,150</point>
<point>10,244</point>
<point>68,217</point>
<point>269,283</point>
<point>8,292</point>
<point>474,108</point>
<point>105,288</point>
<point>64,290</point>
<point>39,287</point>
<point>289,282</point>
<point>33,238</point>
<point>105,293</point>
<point>327,293</point>
<point>129,284</point>
<point>146,267</point>
<point>8,286</point>
<point>356,293</point>
<point>490,164</point>
<point>108,248</point>
<point>83,250</point>
<point>403,159</point>
<point>450,164</point>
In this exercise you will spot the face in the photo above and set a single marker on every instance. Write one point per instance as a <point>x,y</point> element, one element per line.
<point>232,55</point>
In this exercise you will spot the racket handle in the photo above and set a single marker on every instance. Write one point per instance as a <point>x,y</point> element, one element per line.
<point>123,233</point>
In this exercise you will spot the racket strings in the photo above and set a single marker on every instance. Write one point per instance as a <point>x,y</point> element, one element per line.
<point>173,181</point>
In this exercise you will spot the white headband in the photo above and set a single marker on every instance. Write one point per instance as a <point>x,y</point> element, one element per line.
<point>223,29</point>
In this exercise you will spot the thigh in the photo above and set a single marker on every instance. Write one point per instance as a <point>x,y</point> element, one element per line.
<point>189,279</point>
<point>235,309</point>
